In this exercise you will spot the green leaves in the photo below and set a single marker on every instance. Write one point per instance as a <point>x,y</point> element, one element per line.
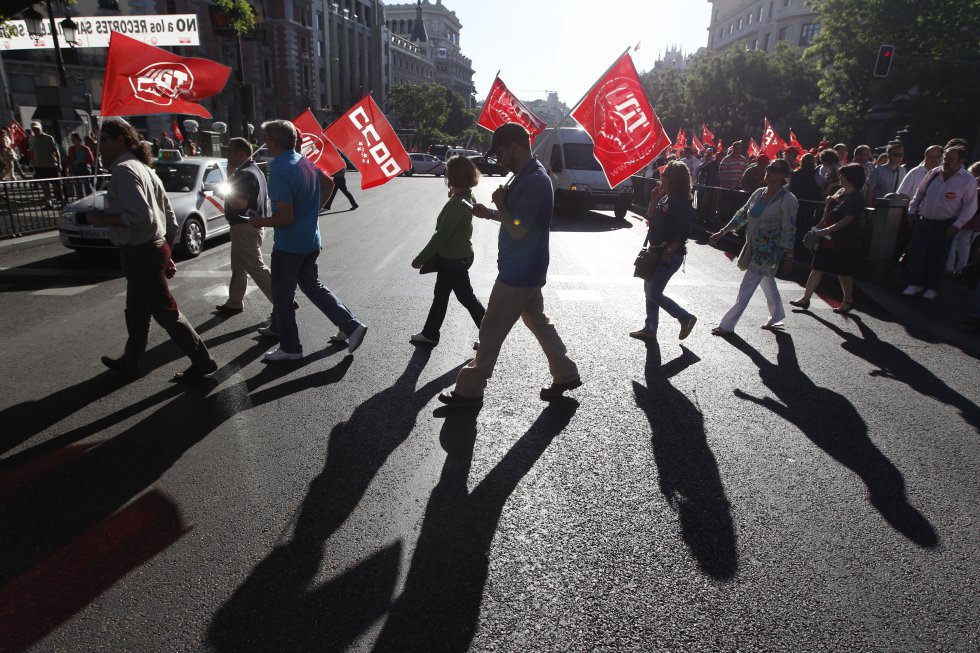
<point>241,16</point>
<point>437,114</point>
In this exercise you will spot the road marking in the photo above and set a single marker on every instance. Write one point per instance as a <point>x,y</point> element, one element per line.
<point>63,291</point>
<point>222,291</point>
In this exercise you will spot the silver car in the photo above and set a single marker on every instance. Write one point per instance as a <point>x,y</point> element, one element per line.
<point>191,184</point>
<point>425,164</point>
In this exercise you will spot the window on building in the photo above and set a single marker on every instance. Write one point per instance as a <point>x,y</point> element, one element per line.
<point>323,75</point>
<point>807,32</point>
<point>783,33</point>
<point>755,44</point>
<point>319,21</point>
<point>751,16</point>
<point>767,42</point>
<point>731,28</point>
<point>740,24</point>
<point>760,14</point>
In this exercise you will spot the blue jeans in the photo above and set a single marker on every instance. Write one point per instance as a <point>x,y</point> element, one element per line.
<point>928,251</point>
<point>288,271</point>
<point>654,287</point>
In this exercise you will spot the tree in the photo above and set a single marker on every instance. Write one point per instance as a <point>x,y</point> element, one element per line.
<point>734,90</point>
<point>932,84</point>
<point>437,114</point>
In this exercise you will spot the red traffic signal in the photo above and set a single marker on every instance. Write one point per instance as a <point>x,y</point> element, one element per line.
<point>883,64</point>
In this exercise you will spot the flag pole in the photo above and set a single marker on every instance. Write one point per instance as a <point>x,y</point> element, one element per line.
<point>589,90</point>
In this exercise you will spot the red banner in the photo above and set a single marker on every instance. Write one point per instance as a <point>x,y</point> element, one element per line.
<point>18,135</point>
<point>141,79</point>
<point>706,136</point>
<point>176,130</point>
<point>315,146</point>
<point>681,141</point>
<point>624,128</point>
<point>502,107</point>
<point>366,137</point>
<point>753,149</point>
<point>696,144</point>
<point>795,143</point>
<point>771,142</point>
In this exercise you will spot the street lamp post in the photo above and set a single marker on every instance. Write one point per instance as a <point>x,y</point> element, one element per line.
<point>35,27</point>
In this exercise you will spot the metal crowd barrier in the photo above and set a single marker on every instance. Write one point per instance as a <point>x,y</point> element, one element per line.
<point>32,205</point>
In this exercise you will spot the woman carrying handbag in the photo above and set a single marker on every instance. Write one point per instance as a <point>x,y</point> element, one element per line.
<point>839,247</point>
<point>453,251</point>
<point>769,218</point>
<point>669,217</point>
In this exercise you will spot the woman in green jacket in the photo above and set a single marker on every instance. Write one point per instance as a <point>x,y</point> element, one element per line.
<point>453,251</point>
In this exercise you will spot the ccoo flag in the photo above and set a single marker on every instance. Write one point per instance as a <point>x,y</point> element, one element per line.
<point>366,137</point>
<point>624,128</point>
<point>771,141</point>
<point>314,145</point>
<point>502,107</point>
<point>141,79</point>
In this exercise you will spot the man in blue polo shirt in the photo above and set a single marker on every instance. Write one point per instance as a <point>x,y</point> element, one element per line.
<point>294,189</point>
<point>524,208</point>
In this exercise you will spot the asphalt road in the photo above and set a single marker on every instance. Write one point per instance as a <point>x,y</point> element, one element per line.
<point>814,490</point>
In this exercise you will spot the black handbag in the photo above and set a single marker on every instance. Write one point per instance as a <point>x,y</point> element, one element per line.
<point>647,260</point>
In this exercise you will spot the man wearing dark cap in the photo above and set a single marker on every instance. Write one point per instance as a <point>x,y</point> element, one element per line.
<point>524,209</point>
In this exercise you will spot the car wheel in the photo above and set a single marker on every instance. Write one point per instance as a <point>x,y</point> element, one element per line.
<point>192,237</point>
<point>409,172</point>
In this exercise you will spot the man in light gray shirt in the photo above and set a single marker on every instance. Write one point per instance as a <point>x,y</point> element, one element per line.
<point>142,224</point>
<point>46,160</point>
<point>886,179</point>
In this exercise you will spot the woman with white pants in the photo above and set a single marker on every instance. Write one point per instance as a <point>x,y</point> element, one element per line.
<point>769,218</point>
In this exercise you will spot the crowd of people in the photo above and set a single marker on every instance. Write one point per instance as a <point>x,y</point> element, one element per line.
<point>831,190</point>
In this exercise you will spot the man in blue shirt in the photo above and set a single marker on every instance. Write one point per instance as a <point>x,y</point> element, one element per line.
<point>294,190</point>
<point>524,208</point>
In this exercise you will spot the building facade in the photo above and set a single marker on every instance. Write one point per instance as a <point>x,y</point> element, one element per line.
<point>761,24</point>
<point>441,44</point>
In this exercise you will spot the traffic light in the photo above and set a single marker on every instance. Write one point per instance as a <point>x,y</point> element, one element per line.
<point>883,63</point>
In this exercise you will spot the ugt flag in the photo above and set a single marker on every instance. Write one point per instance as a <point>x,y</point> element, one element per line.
<point>706,136</point>
<point>753,149</point>
<point>314,145</point>
<point>502,107</point>
<point>771,142</point>
<point>617,115</point>
<point>366,137</point>
<point>141,79</point>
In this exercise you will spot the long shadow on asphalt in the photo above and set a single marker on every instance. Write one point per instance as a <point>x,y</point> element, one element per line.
<point>587,221</point>
<point>60,507</point>
<point>689,476</point>
<point>278,607</point>
<point>893,363</point>
<point>24,420</point>
<point>832,423</point>
<point>440,606</point>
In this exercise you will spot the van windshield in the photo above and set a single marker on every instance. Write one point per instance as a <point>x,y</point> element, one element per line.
<point>578,156</point>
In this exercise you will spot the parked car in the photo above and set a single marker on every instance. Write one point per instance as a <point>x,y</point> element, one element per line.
<point>191,184</point>
<point>488,166</point>
<point>425,164</point>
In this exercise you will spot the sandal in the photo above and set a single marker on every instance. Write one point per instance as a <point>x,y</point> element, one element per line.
<point>803,303</point>
<point>844,308</point>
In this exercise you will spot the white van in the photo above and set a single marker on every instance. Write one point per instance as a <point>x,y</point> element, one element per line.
<point>576,175</point>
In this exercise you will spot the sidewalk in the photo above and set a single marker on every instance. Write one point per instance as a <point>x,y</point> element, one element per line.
<point>26,242</point>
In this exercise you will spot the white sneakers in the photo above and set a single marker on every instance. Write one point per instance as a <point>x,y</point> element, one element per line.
<point>423,339</point>
<point>911,291</point>
<point>356,338</point>
<point>277,355</point>
<point>339,339</point>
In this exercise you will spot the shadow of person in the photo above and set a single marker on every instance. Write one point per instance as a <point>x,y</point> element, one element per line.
<point>893,363</point>
<point>832,423</point>
<point>440,605</point>
<point>49,511</point>
<point>24,420</point>
<point>689,476</point>
<point>276,608</point>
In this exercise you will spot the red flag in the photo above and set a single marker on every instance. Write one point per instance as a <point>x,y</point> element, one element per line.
<point>707,137</point>
<point>696,144</point>
<point>141,79</point>
<point>771,142</point>
<point>795,143</point>
<point>502,107</point>
<point>176,130</point>
<point>753,148</point>
<point>366,137</point>
<point>681,141</point>
<point>624,128</point>
<point>721,146</point>
<point>315,146</point>
<point>17,134</point>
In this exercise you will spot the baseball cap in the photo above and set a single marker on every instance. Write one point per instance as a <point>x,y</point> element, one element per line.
<point>509,133</point>
<point>35,123</point>
<point>780,167</point>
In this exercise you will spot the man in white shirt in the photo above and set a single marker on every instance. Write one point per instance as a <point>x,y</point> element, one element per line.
<point>886,179</point>
<point>932,157</point>
<point>691,162</point>
<point>945,201</point>
<point>862,155</point>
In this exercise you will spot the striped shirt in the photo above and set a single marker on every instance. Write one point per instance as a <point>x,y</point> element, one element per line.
<point>731,170</point>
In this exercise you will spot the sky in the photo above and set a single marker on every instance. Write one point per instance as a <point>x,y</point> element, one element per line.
<point>565,45</point>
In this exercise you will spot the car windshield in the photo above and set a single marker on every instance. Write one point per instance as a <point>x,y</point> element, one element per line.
<point>578,156</point>
<point>177,177</point>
